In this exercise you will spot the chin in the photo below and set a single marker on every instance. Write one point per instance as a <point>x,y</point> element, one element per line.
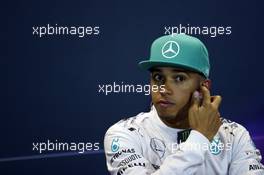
<point>166,114</point>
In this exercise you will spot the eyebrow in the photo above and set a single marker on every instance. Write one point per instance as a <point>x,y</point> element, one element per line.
<point>154,70</point>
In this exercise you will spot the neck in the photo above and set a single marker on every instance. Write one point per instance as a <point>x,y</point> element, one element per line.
<point>178,122</point>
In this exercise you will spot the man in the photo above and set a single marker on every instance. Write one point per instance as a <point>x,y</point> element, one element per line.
<point>183,133</point>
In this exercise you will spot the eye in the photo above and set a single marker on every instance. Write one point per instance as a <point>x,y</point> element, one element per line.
<point>158,78</point>
<point>179,78</point>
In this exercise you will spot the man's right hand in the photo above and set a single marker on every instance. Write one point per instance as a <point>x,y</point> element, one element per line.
<point>204,117</point>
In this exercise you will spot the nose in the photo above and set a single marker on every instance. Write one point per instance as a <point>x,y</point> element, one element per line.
<point>167,90</point>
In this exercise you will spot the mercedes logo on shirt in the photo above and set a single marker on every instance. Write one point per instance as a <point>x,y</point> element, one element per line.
<point>170,49</point>
<point>158,146</point>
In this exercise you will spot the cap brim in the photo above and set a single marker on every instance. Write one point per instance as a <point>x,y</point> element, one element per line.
<point>146,65</point>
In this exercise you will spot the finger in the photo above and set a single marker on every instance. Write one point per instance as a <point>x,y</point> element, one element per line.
<point>213,97</point>
<point>216,101</point>
<point>195,100</point>
<point>206,96</point>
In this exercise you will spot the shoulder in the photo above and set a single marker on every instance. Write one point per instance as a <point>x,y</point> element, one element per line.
<point>129,129</point>
<point>243,150</point>
<point>235,133</point>
<point>125,135</point>
<point>232,126</point>
<point>128,125</point>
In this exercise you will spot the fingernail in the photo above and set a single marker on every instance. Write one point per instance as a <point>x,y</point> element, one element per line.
<point>196,94</point>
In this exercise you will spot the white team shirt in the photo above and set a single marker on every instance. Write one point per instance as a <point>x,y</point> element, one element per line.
<point>144,145</point>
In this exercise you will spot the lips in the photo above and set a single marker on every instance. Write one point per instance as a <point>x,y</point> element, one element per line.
<point>165,103</point>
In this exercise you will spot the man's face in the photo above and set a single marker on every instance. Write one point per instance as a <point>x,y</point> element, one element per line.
<point>179,84</point>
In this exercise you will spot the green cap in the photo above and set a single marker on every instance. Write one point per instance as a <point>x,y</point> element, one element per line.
<point>181,51</point>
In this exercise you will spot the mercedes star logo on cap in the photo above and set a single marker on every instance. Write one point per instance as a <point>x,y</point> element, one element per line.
<point>170,49</point>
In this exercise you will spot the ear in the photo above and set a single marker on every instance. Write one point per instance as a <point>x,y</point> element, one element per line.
<point>207,83</point>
